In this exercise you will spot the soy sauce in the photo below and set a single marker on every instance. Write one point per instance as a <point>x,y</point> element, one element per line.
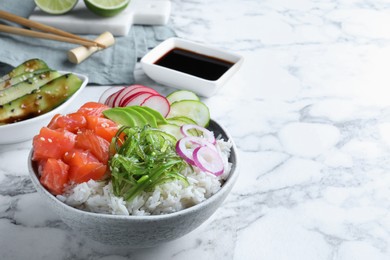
<point>195,64</point>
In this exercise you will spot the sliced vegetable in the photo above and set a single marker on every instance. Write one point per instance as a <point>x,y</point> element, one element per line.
<point>200,151</point>
<point>120,116</point>
<point>158,103</point>
<point>185,148</point>
<point>49,96</point>
<point>208,160</point>
<point>180,95</point>
<point>136,99</point>
<point>20,78</point>
<point>104,98</point>
<point>181,120</point>
<point>136,95</point>
<point>27,66</point>
<point>159,118</point>
<point>135,116</point>
<point>188,130</point>
<point>149,117</point>
<point>26,87</point>
<point>172,129</point>
<point>122,95</point>
<point>195,110</point>
<point>137,89</point>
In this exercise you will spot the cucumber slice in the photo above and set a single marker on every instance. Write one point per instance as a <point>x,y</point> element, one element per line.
<point>182,95</point>
<point>27,66</point>
<point>26,87</point>
<point>181,120</point>
<point>195,110</point>
<point>172,129</point>
<point>51,95</point>
<point>20,78</point>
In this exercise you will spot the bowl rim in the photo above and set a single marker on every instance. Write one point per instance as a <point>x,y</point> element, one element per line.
<point>85,80</point>
<point>228,184</point>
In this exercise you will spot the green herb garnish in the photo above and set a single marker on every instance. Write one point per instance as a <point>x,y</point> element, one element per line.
<point>143,158</point>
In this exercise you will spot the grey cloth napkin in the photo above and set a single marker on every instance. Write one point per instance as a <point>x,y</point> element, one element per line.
<point>112,66</point>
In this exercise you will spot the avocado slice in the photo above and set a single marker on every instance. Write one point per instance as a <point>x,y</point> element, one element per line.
<point>27,66</point>
<point>147,115</point>
<point>48,97</point>
<point>135,116</point>
<point>19,78</point>
<point>159,118</point>
<point>138,118</point>
<point>26,87</point>
<point>119,116</point>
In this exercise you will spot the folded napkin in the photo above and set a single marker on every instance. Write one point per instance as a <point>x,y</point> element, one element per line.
<point>112,66</point>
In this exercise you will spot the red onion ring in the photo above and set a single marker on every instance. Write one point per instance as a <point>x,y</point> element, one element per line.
<point>206,134</point>
<point>208,160</point>
<point>199,152</point>
<point>185,147</point>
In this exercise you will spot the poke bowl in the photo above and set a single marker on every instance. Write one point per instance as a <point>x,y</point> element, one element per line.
<point>18,128</point>
<point>142,228</point>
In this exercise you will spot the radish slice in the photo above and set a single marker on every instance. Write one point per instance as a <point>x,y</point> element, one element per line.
<point>126,99</point>
<point>208,135</point>
<point>123,92</point>
<point>146,89</point>
<point>158,103</point>
<point>208,160</point>
<point>106,94</point>
<point>118,96</point>
<point>110,100</point>
<point>137,99</point>
<point>127,91</point>
<point>135,91</point>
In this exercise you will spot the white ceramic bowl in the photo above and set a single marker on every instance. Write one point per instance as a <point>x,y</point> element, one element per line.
<point>140,231</point>
<point>26,129</point>
<point>180,80</point>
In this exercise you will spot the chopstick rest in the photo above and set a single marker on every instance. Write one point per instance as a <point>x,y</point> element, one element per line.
<point>79,54</point>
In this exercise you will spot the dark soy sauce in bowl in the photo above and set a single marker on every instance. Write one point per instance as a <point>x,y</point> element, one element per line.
<point>199,65</point>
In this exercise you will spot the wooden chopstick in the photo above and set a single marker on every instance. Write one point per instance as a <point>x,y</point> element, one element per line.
<point>45,28</point>
<point>49,36</point>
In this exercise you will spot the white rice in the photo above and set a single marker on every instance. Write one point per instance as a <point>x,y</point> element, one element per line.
<point>97,196</point>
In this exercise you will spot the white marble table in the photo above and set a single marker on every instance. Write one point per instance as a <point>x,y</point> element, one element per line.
<point>309,112</point>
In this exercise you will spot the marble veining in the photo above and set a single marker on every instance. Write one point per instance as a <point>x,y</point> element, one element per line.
<point>309,112</point>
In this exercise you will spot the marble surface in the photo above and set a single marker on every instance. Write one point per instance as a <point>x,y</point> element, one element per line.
<point>309,111</point>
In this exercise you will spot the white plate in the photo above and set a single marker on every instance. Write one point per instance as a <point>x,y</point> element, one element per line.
<point>26,129</point>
